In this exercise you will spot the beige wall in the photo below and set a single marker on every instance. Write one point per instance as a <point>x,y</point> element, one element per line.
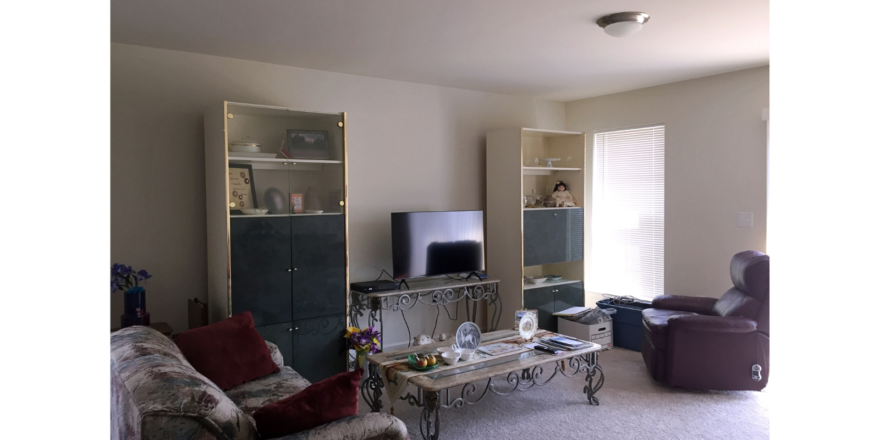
<point>716,166</point>
<point>411,147</point>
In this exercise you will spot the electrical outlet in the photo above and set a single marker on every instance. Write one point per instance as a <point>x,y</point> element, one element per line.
<point>745,219</point>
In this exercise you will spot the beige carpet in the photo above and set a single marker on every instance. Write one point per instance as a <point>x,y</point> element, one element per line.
<point>631,406</point>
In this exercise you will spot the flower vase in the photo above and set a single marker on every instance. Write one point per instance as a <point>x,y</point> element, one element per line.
<point>361,355</point>
<point>135,308</point>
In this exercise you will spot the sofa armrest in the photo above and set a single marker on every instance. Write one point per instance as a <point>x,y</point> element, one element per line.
<point>372,426</point>
<point>277,357</point>
<point>712,324</point>
<point>696,304</point>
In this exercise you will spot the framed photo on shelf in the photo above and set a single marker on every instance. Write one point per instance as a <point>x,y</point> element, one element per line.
<point>307,144</point>
<point>242,191</point>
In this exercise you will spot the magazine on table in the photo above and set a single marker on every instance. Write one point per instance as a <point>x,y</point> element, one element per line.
<point>565,343</point>
<point>499,348</point>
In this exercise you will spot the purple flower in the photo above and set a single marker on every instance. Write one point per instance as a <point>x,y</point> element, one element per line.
<point>143,275</point>
<point>374,348</point>
<point>121,269</point>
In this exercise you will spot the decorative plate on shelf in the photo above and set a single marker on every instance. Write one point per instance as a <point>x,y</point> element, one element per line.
<point>528,325</point>
<point>468,336</point>
<point>412,363</point>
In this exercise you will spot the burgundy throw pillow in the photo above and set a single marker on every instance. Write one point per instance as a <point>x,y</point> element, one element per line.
<point>323,402</point>
<point>229,352</point>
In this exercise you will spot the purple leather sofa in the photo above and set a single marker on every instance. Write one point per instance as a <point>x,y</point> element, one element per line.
<point>713,344</point>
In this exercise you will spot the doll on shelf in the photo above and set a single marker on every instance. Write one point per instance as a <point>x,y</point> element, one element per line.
<point>562,197</point>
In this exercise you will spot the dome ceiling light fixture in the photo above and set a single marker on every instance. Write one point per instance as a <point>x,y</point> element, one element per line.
<point>623,24</point>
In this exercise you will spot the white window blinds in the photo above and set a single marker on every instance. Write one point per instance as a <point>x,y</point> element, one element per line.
<point>627,234</point>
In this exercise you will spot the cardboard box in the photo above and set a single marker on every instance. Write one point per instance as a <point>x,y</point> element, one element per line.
<point>601,334</point>
<point>296,203</point>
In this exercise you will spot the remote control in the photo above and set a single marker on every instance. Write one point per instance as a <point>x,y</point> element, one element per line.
<point>547,349</point>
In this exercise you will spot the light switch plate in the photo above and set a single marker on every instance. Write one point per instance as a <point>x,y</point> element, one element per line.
<point>745,219</point>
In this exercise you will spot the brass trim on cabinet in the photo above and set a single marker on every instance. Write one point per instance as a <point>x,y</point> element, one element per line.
<point>522,228</point>
<point>343,203</point>
<point>228,225</point>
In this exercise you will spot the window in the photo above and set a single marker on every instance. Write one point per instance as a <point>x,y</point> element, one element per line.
<point>627,234</point>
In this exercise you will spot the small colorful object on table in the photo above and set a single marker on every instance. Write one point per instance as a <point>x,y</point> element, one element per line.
<point>363,342</point>
<point>123,277</point>
<point>422,363</point>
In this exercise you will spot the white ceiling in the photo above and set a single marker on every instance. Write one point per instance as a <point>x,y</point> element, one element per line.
<point>543,48</point>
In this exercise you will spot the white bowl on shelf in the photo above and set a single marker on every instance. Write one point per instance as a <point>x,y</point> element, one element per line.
<point>467,354</point>
<point>259,211</point>
<point>535,280</point>
<point>245,147</point>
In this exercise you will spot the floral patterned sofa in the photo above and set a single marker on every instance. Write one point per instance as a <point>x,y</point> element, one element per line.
<point>157,394</point>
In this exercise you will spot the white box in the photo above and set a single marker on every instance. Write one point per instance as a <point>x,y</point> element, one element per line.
<point>601,334</point>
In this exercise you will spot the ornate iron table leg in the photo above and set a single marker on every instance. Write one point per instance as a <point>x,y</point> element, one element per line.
<point>371,388</point>
<point>590,389</point>
<point>430,421</point>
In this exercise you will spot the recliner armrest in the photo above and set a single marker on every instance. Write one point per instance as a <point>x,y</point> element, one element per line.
<point>712,324</point>
<point>696,304</point>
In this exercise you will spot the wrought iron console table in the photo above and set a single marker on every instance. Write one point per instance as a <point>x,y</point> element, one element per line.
<point>432,292</point>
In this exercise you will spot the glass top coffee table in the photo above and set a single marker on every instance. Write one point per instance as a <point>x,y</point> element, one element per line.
<point>506,373</point>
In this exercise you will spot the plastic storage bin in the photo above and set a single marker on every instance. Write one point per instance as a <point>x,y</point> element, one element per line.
<point>627,324</point>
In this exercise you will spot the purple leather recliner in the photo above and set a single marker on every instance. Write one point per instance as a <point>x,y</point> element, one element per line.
<point>713,344</point>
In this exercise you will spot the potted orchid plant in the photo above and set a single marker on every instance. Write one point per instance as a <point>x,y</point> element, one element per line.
<point>363,341</point>
<point>123,277</point>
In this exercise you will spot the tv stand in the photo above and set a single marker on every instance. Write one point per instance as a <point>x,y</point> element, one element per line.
<point>434,292</point>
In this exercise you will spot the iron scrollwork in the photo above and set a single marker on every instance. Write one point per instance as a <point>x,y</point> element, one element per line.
<point>371,388</point>
<point>473,392</point>
<point>362,304</point>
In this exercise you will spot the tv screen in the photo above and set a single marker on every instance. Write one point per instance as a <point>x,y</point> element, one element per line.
<point>425,244</point>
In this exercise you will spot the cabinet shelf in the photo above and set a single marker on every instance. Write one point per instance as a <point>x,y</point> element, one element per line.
<point>281,215</point>
<point>285,164</point>
<point>545,171</point>
<point>548,284</point>
<point>546,209</point>
<point>240,159</point>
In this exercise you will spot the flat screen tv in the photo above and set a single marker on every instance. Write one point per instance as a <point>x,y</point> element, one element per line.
<point>425,244</point>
